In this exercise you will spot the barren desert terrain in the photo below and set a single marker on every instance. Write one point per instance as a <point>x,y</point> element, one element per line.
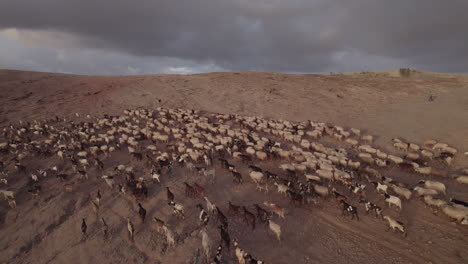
<point>46,228</point>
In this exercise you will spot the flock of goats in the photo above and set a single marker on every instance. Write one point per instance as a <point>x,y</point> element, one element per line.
<point>208,144</point>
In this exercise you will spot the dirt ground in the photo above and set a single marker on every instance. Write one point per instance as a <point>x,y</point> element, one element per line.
<point>47,229</point>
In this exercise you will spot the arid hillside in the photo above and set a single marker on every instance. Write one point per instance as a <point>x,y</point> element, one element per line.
<point>46,224</point>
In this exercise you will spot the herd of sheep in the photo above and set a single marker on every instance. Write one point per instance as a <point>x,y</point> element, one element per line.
<point>314,161</point>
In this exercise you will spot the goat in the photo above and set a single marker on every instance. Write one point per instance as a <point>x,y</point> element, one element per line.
<point>276,209</point>
<point>177,209</point>
<point>349,209</point>
<point>380,187</point>
<point>262,213</point>
<point>234,209</point>
<point>372,207</point>
<point>210,206</point>
<point>169,194</point>
<point>198,189</point>
<point>203,216</point>
<point>170,237</point>
<point>83,226</point>
<point>105,228</point>
<point>225,236</point>
<point>295,198</point>
<point>249,217</point>
<point>189,190</point>
<point>141,212</point>
<point>237,176</point>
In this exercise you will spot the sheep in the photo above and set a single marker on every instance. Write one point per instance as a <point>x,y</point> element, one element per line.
<point>427,154</point>
<point>367,138</point>
<point>434,202</point>
<point>275,228</point>
<point>412,156</point>
<point>321,190</point>
<point>367,148</point>
<point>256,176</point>
<point>401,146</point>
<point>395,159</point>
<point>325,174</point>
<point>366,157</point>
<point>401,191</point>
<point>457,213</point>
<point>395,225</point>
<point>462,179</point>
<point>438,186</point>
<point>275,208</point>
<point>8,194</point>
<point>423,191</point>
<point>390,199</point>
<point>312,177</point>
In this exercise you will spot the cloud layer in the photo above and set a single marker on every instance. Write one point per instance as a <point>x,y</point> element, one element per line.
<point>186,36</point>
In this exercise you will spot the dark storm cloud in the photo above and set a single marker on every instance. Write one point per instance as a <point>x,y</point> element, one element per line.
<point>262,35</point>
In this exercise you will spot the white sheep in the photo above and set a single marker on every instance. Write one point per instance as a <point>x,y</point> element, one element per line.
<point>321,190</point>
<point>434,202</point>
<point>456,213</point>
<point>462,179</point>
<point>401,146</point>
<point>401,191</point>
<point>395,225</point>
<point>8,194</point>
<point>438,186</point>
<point>256,176</point>
<point>423,191</point>
<point>390,199</point>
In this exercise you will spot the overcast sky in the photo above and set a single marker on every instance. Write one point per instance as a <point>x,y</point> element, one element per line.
<point>107,37</point>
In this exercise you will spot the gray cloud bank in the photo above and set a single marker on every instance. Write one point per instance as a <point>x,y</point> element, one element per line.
<point>190,36</point>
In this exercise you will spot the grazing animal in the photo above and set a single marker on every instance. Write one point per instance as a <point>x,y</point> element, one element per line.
<point>141,212</point>
<point>203,216</point>
<point>177,209</point>
<point>380,187</point>
<point>130,228</point>
<point>189,190</point>
<point>199,190</point>
<point>237,176</point>
<point>206,244</point>
<point>372,207</point>
<point>249,217</point>
<point>262,213</point>
<point>83,227</point>
<point>68,187</point>
<point>170,195</point>
<point>276,209</point>
<point>210,206</point>
<point>434,185</point>
<point>170,237</point>
<point>349,209</point>
<point>233,209</point>
<point>225,236</point>
<point>390,199</point>
<point>275,228</point>
<point>395,225</point>
<point>239,253</point>
<point>105,228</point>
<point>159,224</point>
